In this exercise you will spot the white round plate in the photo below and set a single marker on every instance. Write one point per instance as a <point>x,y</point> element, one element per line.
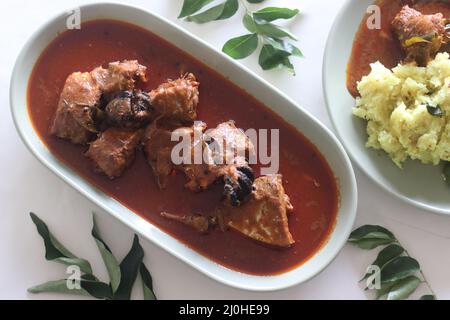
<point>418,184</point>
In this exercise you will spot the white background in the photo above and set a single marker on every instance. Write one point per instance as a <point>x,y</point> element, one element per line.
<point>27,186</point>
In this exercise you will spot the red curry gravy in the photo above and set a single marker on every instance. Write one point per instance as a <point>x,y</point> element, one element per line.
<point>381,44</point>
<point>307,177</point>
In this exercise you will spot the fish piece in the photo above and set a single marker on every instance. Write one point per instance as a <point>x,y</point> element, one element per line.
<point>262,218</point>
<point>77,115</point>
<point>119,76</point>
<point>230,150</point>
<point>74,118</point>
<point>177,99</point>
<point>114,150</point>
<point>420,35</point>
<point>158,146</point>
<point>223,157</point>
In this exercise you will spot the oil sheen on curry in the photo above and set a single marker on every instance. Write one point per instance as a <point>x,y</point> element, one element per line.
<point>107,100</point>
<point>411,30</point>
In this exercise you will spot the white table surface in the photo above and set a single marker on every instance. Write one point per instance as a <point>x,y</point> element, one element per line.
<point>26,185</point>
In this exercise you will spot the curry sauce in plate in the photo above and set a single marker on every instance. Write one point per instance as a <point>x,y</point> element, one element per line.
<point>371,45</point>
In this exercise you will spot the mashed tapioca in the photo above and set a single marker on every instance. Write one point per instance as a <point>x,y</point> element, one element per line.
<point>408,110</point>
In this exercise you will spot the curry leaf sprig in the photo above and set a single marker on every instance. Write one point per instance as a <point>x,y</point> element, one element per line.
<point>276,46</point>
<point>121,275</point>
<point>399,274</point>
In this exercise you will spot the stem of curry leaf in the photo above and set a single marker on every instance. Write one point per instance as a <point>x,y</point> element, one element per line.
<point>421,273</point>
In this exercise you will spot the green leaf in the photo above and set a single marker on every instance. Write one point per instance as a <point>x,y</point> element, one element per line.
<point>192,6</point>
<point>129,268</point>
<point>369,244</point>
<point>95,288</point>
<point>384,289</point>
<point>255,1</point>
<point>55,251</point>
<point>428,297</point>
<point>89,286</point>
<point>249,23</point>
<point>230,8</point>
<point>58,286</point>
<point>273,13</point>
<point>400,289</point>
<point>399,268</point>
<point>241,47</point>
<point>208,15</point>
<point>288,65</point>
<point>403,288</point>
<point>371,236</point>
<point>285,46</point>
<point>218,12</point>
<point>371,231</point>
<point>387,254</point>
<point>270,57</point>
<point>435,111</point>
<point>147,283</point>
<point>108,258</point>
<point>274,31</point>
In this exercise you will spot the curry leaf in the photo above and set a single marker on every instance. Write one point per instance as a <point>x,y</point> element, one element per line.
<point>399,268</point>
<point>371,231</point>
<point>398,271</point>
<point>272,30</point>
<point>96,288</point>
<point>288,65</point>
<point>108,258</point>
<point>384,289</point>
<point>283,45</point>
<point>218,12</point>
<point>265,28</point>
<point>147,283</point>
<point>241,47</point>
<point>88,286</point>
<point>192,6</point>
<point>270,57</point>
<point>57,286</point>
<point>249,23</point>
<point>129,268</point>
<point>208,15</point>
<point>428,297</point>
<point>371,236</point>
<point>273,13</point>
<point>387,254</point>
<point>259,25</point>
<point>403,288</point>
<point>55,251</point>
<point>435,111</point>
<point>229,9</point>
<point>369,244</point>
